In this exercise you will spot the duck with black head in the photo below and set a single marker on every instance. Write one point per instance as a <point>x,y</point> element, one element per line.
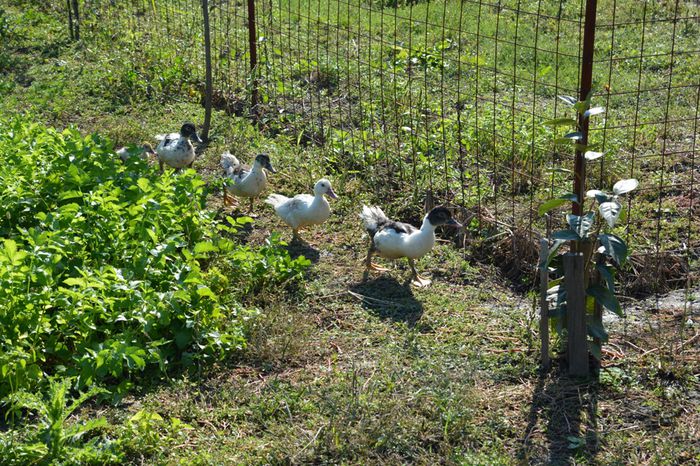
<point>175,149</point>
<point>392,240</point>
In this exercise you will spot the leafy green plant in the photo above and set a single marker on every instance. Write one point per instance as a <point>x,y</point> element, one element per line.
<point>591,233</point>
<point>53,437</point>
<point>109,270</point>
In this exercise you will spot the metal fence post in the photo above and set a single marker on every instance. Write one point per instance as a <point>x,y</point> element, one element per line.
<point>585,90</point>
<point>577,340</point>
<point>70,19</point>
<point>208,74</point>
<point>253,48</point>
<point>76,20</point>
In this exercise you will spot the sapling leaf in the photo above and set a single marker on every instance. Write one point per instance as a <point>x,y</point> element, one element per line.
<point>581,225</point>
<point>550,254</point>
<point>596,330</point>
<point>593,111</point>
<point>607,275</point>
<point>600,196</point>
<point>595,350</point>
<point>614,247</point>
<point>592,155</point>
<point>625,186</point>
<point>582,106</point>
<point>574,135</point>
<point>610,211</point>
<point>568,99</point>
<point>605,298</point>
<point>566,235</point>
<point>554,203</point>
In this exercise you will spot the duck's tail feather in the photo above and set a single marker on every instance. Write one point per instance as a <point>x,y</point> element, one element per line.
<point>276,200</point>
<point>373,218</point>
<point>229,162</point>
<point>161,137</point>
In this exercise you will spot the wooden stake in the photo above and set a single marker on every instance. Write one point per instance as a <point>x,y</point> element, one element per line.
<point>576,315</point>
<point>544,306</point>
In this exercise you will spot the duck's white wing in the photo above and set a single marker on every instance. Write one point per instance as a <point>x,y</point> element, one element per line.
<point>166,139</point>
<point>297,204</point>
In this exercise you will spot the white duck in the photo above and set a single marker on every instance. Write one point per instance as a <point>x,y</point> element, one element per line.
<point>142,152</point>
<point>176,149</point>
<point>244,181</point>
<point>304,209</point>
<point>394,240</point>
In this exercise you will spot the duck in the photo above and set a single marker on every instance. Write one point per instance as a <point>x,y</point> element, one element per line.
<point>304,210</point>
<point>176,149</point>
<point>242,180</point>
<point>393,240</point>
<point>143,152</point>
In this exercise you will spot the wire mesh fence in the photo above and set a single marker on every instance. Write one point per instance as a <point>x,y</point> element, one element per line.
<point>447,100</point>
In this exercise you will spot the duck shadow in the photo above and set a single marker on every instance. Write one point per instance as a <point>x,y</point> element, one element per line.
<point>388,299</point>
<point>567,410</point>
<point>297,248</point>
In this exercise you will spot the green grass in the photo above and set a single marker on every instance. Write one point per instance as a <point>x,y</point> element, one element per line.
<point>337,370</point>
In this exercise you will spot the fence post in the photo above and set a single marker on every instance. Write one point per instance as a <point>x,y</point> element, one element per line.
<point>70,19</point>
<point>544,307</point>
<point>207,65</point>
<point>253,47</point>
<point>577,344</point>
<point>585,90</point>
<point>76,20</point>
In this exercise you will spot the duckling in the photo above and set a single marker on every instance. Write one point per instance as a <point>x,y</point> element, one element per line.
<point>143,152</point>
<point>393,240</point>
<point>244,181</point>
<point>176,149</point>
<point>304,209</point>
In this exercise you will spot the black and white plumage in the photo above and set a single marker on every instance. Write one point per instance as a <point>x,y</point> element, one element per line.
<point>393,240</point>
<point>244,181</point>
<point>176,149</point>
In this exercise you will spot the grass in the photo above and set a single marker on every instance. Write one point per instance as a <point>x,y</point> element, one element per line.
<point>344,371</point>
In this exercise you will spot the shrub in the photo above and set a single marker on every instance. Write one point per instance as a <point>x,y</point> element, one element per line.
<point>109,269</point>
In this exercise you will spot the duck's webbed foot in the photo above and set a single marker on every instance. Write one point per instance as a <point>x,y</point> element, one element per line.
<point>420,281</point>
<point>251,214</point>
<point>417,280</point>
<point>228,200</point>
<point>377,267</point>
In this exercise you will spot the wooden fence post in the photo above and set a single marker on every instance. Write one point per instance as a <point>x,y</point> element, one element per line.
<point>544,306</point>
<point>208,86</point>
<point>577,344</point>
<point>253,48</point>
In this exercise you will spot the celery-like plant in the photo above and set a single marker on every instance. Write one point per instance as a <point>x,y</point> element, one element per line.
<point>54,438</point>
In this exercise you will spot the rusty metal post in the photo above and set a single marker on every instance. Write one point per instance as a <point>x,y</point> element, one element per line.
<point>544,306</point>
<point>585,90</point>
<point>577,335</point>
<point>70,19</point>
<point>207,66</point>
<point>253,48</point>
<point>76,20</point>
